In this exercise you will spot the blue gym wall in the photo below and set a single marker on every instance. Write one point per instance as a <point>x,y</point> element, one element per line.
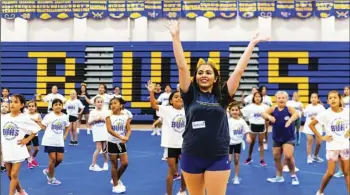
<point>33,67</point>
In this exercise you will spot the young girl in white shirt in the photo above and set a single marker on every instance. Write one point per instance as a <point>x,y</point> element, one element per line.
<point>253,113</point>
<point>5,108</point>
<point>97,121</point>
<point>268,102</point>
<point>35,116</point>
<point>72,106</point>
<point>310,112</point>
<point>13,128</point>
<point>174,123</point>
<point>336,121</point>
<point>118,127</point>
<point>56,127</point>
<point>298,106</point>
<point>238,129</point>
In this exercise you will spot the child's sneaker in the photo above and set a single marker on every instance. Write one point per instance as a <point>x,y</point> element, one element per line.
<point>53,181</point>
<point>276,179</point>
<point>30,165</point>
<point>35,163</point>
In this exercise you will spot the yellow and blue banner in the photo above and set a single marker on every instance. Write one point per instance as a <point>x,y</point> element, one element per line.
<point>341,9</point>
<point>54,10</point>
<point>174,9</point>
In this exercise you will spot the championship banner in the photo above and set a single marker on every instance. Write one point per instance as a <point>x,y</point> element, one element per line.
<point>304,9</point>
<point>172,9</point>
<point>341,9</point>
<point>9,10</point>
<point>191,9</point>
<point>324,9</point>
<point>98,9</point>
<point>266,9</point>
<point>228,9</point>
<point>285,9</point>
<point>135,9</point>
<point>54,9</point>
<point>26,9</point>
<point>117,9</point>
<point>154,9</point>
<point>81,8</point>
<point>247,9</point>
<point>210,9</point>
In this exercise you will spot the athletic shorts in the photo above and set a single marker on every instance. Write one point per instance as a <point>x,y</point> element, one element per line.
<point>34,141</point>
<point>334,155</point>
<point>197,165</point>
<point>72,119</point>
<point>257,128</point>
<point>236,148</point>
<point>52,149</point>
<point>280,144</point>
<point>174,152</point>
<point>116,148</point>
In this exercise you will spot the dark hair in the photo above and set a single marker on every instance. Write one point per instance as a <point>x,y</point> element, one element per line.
<point>119,99</point>
<point>223,97</point>
<point>261,96</point>
<point>21,99</point>
<point>171,97</point>
<point>340,97</point>
<point>8,90</point>
<point>104,86</point>
<point>55,101</point>
<point>86,91</point>
<point>235,104</point>
<point>318,97</point>
<point>116,87</point>
<point>260,89</point>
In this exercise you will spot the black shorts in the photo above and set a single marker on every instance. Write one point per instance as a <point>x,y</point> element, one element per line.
<point>174,152</point>
<point>280,144</point>
<point>51,149</point>
<point>72,119</point>
<point>235,148</point>
<point>257,128</point>
<point>34,141</point>
<point>116,149</point>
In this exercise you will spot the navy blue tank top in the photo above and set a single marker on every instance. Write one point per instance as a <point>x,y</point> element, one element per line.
<point>279,132</point>
<point>206,133</point>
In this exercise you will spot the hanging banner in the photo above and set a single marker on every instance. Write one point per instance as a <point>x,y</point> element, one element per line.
<point>285,9</point>
<point>247,9</point>
<point>98,9</point>
<point>303,9</point>
<point>26,9</point>
<point>191,9</point>
<point>54,9</point>
<point>9,10</point>
<point>210,9</point>
<point>266,9</point>
<point>154,9</point>
<point>227,9</point>
<point>341,9</point>
<point>135,9</point>
<point>81,8</point>
<point>117,9</point>
<point>324,9</point>
<point>172,9</point>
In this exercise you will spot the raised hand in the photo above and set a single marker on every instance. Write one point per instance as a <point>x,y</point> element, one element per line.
<point>257,38</point>
<point>150,86</point>
<point>174,28</point>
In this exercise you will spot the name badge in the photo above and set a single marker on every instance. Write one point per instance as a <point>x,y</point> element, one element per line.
<point>198,124</point>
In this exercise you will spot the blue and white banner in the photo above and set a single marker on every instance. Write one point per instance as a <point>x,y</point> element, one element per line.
<point>174,9</point>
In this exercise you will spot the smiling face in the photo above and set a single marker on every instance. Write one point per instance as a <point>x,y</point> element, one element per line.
<point>206,77</point>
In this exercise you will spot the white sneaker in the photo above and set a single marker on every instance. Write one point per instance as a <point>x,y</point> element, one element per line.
<point>235,180</point>
<point>95,168</point>
<point>286,169</point>
<point>318,159</point>
<point>105,167</point>
<point>23,193</point>
<point>154,132</point>
<point>88,131</point>
<point>158,132</point>
<point>310,160</point>
<point>265,146</point>
<point>182,193</point>
<point>295,180</point>
<point>319,193</point>
<point>118,189</point>
<point>275,179</point>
